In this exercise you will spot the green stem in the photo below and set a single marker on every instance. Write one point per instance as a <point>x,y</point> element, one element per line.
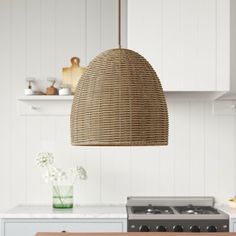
<point>71,186</point>
<point>56,187</point>
<point>74,180</point>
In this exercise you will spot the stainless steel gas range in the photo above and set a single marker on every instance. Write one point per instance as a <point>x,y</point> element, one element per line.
<point>175,214</point>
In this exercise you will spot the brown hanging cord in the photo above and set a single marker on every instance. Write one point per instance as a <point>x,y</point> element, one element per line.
<point>119,24</point>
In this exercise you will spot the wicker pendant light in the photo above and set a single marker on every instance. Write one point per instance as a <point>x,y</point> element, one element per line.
<point>119,101</point>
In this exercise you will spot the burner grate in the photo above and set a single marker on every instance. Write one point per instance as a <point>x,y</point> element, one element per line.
<point>196,210</point>
<point>151,210</point>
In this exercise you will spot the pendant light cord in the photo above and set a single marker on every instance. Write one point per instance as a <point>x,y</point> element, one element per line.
<point>119,23</point>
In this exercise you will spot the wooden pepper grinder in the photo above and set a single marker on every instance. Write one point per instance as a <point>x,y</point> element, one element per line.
<point>52,90</point>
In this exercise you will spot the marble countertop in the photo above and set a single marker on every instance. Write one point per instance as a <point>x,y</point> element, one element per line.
<point>228,210</point>
<point>81,212</point>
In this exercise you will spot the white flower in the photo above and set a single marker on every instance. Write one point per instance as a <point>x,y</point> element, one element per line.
<point>55,175</point>
<point>44,159</point>
<point>80,172</point>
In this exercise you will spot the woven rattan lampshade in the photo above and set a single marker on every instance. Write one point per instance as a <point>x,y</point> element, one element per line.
<point>119,101</point>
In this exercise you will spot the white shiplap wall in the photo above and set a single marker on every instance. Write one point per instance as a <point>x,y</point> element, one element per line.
<point>37,38</point>
<point>200,159</point>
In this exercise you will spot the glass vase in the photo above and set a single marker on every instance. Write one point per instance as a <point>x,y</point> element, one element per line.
<point>63,196</point>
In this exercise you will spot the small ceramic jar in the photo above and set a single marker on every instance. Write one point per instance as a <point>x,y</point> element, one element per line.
<point>64,91</point>
<point>28,92</point>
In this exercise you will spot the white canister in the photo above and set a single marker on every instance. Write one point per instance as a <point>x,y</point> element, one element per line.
<point>64,91</point>
<point>29,92</point>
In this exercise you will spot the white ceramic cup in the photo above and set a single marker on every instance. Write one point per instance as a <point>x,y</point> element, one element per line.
<point>64,91</point>
<point>29,92</point>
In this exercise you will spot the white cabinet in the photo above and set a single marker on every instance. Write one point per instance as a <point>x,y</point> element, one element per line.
<point>29,227</point>
<point>231,212</point>
<point>234,226</point>
<point>186,41</point>
<point>26,220</point>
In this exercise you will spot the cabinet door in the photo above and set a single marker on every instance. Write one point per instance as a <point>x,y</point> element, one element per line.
<point>31,228</point>
<point>233,229</point>
<point>181,40</point>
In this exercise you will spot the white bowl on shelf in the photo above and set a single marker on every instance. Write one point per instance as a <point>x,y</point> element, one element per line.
<point>29,92</point>
<point>64,91</point>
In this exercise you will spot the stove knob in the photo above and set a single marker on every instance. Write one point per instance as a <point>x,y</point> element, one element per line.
<point>211,228</point>
<point>178,228</point>
<point>144,228</point>
<point>161,228</point>
<point>195,228</point>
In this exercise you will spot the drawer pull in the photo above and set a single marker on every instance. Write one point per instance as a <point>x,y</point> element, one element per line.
<point>33,107</point>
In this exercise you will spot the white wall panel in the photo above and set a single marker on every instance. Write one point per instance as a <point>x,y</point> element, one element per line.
<point>109,23</point>
<point>198,161</point>
<point>144,169</point>
<point>166,156</point>
<point>182,149</point>
<point>48,38</point>
<point>227,156</point>
<point>33,36</point>
<point>33,176</point>
<point>197,149</point>
<point>5,136</point>
<point>93,31</point>
<point>91,192</point>
<point>211,152</point>
<point>115,171</point>
<point>17,124</point>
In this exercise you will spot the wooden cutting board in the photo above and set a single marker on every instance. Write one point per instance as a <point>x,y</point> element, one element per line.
<point>72,74</point>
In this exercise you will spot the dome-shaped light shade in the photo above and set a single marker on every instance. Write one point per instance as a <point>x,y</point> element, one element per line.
<point>119,101</point>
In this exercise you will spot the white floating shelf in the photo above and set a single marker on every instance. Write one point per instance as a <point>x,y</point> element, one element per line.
<point>170,95</point>
<point>44,105</point>
<point>225,105</point>
<point>46,98</point>
<point>228,97</point>
<point>193,95</point>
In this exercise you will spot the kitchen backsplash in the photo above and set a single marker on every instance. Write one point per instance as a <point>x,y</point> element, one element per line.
<point>200,160</point>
